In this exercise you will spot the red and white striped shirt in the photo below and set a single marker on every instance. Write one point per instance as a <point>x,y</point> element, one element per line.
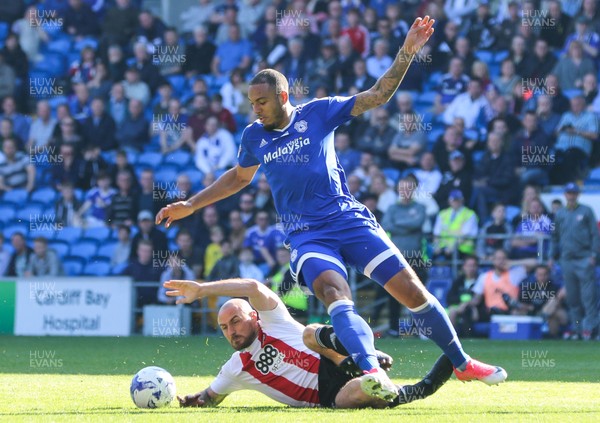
<point>277,363</point>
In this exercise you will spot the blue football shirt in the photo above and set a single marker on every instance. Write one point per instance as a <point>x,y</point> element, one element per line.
<point>307,181</point>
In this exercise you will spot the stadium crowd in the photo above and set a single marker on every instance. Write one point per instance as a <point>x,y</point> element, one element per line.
<point>108,113</point>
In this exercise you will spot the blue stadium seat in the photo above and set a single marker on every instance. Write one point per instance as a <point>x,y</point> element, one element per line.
<point>60,45</point>
<point>166,176</point>
<point>4,30</point>
<point>173,245</point>
<point>41,229</point>
<point>179,157</point>
<point>53,63</point>
<point>44,195</point>
<point>149,159</point>
<point>73,265</point>
<point>99,234</point>
<point>84,248</point>
<point>85,42</point>
<point>106,249</point>
<point>482,329</point>
<point>97,268</point>
<point>69,234</point>
<point>33,213</point>
<point>572,93</point>
<point>17,196</point>
<point>512,212</point>
<point>7,212</point>
<point>12,228</point>
<point>178,82</point>
<point>439,288</point>
<point>195,175</point>
<point>501,55</point>
<point>485,56</point>
<point>61,248</point>
<point>79,194</point>
<point>118,269</point>
<point>440,272</point>
<point>391,174</point>
<point>594,176</point>
<point>427,97</point>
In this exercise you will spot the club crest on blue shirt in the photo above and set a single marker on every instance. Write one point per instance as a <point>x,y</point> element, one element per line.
<point>301,126</point>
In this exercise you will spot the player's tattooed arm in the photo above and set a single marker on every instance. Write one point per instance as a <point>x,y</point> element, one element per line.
<point>206,398</point>
<point>388,83</point>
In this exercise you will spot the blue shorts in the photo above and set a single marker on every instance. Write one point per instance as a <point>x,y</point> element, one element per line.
<point>355,240</point>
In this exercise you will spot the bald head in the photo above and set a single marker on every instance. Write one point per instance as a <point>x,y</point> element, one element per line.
<point>239,323</point>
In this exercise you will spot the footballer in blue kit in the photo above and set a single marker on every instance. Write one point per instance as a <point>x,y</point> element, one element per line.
<point>326,227</point>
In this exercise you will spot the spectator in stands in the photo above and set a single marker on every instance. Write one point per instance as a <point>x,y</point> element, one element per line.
<point>576,244</point>
<point>80,101</point>
<point>500,108</point>
<point>150,29</point>
<point>123,207</point>
<point>119,23</point>
<point>234,53</point>
<point>546,117</point>
<point>196,15</point>
<point>462,311</point>
<point>571,69</point>
<point>42,128</point>
<point>19,261</point>
<point>384,32</point>
<point>280,281</point>
<point>498,225</point>
<point>148,232</point>
<point>247,208</point>
<point>428,176</point>
<point>4,257</point>
<point>543,61</point>
<point>8,79</point>
<point>92,164</point>
<point>142,61</point>
<point>471,106</point>
<point>295,63</point>
<point>84,69</point>
<point>589,89</point>
<point>44,261</point>
<point>122,249</point>
<point>15,57</point>
<point>404,222</point>
<point>213,251</point>
<point>451,84</point>
<point>234,93</point>
<point>134,132</point>
<point>69,135</point>
<point>249,270</point>
<point>498,288</point>
<point>576,132</point>
<point>531,152</point>
<point>343,69</point>
<point>227,266</point>
<point>361,79</point>
<point>7,132</point>
<point>556,34</point>
<point>493,177</point>
<point>260,239</point>
<point>188,253</point>
<point>135,88</point>
<point>69,167</point>
<point>237,231</point>
<point>349,157</point>
<point>376,139</point>
<point>585,34</point>
<point>215,149</point>
<point>533,224</point>
<point>223,115</point>
<point>455,227</point>
<point>118,104</point>
<point>536,292</point>
<point>272,47</point>
<point>449,142</point>
<point>100,84</point>
<point>20,122</point>
<point>117,65</point>
<point>199,114</point>
<point>457,11</point>
<point>169,55</point>
<point>456,178</point>
<point>67,205</point>
<point>409,142</point>
<point>30,34</point>
<point>94,210</point>
<point>143,268</point>
<point>384,193</point>
<point>554,312</point>
<point>508,79</point>
<point>263,198</point>
<point>357,33</point>
<point>380,61</point>
<point>99,129</point>
<point>152,196</point>
<point>176,269</point>
<point>16,170</point>
<point>80,21</point>
<point>121,164</point>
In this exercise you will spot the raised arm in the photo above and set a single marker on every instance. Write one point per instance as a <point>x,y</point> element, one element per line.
<point>228,184</point>
<point>260,297</point>
<point>388,83</point>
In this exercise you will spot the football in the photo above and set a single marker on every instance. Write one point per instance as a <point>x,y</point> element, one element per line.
<point>152,387</point>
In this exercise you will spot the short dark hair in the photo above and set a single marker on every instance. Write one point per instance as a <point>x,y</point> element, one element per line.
<point>271,77</point>
<point>41,239</point>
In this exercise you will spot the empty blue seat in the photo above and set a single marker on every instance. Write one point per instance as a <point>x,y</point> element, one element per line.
<point>100,233</point>
<point>439,288</point>
<point>512,212</point>
<point>4,29</point>
<point>61,248</point>
<point>44,195</point>
<point>485,56</point>
<point>7,212</point>
<point>17,196</point>
<point>72,265</point>
<point>166,176</point>
<point>106,249</point>
<point>391,174</point>
<point>34,214</point>
<point>85,42</point>
<point>97,268</point>
<point>13,228</point>
<point>178,82</point>
<point>69,234</point>
<point>149,159</point>
<point>118,269</point>
<point>59,45</point>
<point>440,272</point>
<point>54,64</point>
<point>179,157</point>
<point>84,248</point>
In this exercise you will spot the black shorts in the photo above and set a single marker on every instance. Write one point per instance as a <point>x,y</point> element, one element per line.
<point>331,381</point>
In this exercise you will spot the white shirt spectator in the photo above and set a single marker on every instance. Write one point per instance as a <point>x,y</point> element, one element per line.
<point>215,151</point>
<point>251,271</point>
<point>376,66</point>
<point>40,132</point>
<point>196,15</point>
<point>232,97</point>
<point>429,180</point>
<point>137,91</point>
<point>465,107</point>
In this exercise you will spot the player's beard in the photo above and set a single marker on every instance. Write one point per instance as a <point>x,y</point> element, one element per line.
<point>246,342</point>
<point>277,119</point>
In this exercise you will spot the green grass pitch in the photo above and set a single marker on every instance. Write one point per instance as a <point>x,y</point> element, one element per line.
<point>87,379</point>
